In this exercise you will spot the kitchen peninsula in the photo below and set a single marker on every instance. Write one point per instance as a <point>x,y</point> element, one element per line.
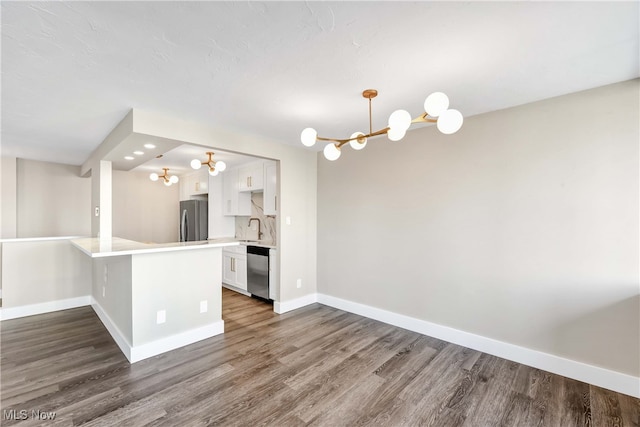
<point>156,297</point>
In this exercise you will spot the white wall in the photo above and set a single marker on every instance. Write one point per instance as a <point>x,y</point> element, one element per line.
<point>52,200</point>
<point>143,210</point>
<point>522,227</point>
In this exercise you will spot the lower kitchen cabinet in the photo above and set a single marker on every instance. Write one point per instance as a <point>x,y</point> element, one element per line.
<point>234,272</point>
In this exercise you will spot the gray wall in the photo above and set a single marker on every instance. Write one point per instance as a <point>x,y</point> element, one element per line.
<point>143,210</point>
<point>522,227</point>
<point>52,200</point>
<point>8,191</point>
<point>35,272</point>
<point>176,282</point>
<point>114,275</point>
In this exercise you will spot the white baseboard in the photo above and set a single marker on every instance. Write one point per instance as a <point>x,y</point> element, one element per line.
<point>114,331</point>
<point>153,348</point>
<point>284,306</point>
<point>7,313</point>
<point>612,380</point>
<point>172,342</point>
<point>234,289</point>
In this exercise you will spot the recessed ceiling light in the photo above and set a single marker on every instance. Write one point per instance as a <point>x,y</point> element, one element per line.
<point>128,158</point>
<point>149,146</point>
<point>138,153</point>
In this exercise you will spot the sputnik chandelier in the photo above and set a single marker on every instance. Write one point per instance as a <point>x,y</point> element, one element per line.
<point>168,180</point>
<point>214,167</point>
<point>436,108</point>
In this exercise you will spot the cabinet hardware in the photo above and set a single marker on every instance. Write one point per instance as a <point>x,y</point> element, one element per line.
<point>233,264</point>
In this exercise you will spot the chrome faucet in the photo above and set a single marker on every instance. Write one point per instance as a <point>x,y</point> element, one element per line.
<point>259,232</point>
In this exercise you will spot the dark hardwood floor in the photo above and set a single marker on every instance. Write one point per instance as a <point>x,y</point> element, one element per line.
<point>314,366</point>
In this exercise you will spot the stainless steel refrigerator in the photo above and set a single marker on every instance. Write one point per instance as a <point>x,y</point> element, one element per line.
<point>194,216</point>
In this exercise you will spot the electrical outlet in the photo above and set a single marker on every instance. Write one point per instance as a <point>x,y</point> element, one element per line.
<point>104,292</point>
<point>287,220</point>
<point>299,283</point>
<point>203,306</point>
<point>161,316</point>
<point>97,211</point>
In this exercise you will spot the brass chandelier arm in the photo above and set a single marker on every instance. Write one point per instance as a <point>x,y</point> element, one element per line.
<point>340,142</point>
<point>424,118</point>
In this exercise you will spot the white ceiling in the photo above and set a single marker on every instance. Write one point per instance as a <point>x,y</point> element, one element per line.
<point>72,70</point>
<point>178,159</point>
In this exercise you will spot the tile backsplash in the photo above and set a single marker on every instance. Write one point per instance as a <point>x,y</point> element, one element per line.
<point>268,222</point>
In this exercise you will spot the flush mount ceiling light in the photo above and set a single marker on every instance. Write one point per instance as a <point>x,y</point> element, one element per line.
<point>214,167</point>
<point>168,180</point>
<point>437,111</point>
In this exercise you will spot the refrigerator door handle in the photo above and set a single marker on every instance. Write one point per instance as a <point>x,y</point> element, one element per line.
<point>184,226</point>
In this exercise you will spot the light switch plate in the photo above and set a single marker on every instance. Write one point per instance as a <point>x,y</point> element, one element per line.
<point>161,316</point>
<point>203,306</point>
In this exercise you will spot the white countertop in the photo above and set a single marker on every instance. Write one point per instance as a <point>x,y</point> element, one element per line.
<point>96,247</point>
<point>261,243</point>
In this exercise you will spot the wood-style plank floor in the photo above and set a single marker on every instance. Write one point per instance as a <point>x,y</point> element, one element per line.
<point>314,366</point>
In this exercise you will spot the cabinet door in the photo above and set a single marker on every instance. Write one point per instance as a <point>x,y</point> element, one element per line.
<point>241,272</point>
<point>228,273</point>
<point>251,178</point>
<point>230,192</point>
<point>219,224</point>
<point>270,189</point>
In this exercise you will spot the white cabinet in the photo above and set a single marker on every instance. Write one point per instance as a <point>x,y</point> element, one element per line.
<point>251,177</point>
<point>194,184</point>
<point>234,266</point>
<point>235,202</point>
<point>270,188</point>
<point>220,225</point>
<point>274,283</point>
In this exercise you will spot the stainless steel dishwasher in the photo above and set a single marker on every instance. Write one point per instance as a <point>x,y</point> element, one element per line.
<point>258,271</point>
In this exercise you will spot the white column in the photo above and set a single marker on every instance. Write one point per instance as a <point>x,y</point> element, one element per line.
<point>101,203</point>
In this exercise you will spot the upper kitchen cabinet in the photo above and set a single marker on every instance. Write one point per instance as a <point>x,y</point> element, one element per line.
<point>270,188</point>
<point>251,177</point>
<point>235,202</point>
<point>220,224</point>
<point>194,184</point>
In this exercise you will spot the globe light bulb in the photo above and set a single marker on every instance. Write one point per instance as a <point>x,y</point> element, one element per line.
<point>213,171</point>
<point>450,121</point>
<point>355,144</point>
<point>436,104</point>
<point>167,183</point>
<point>174,179</point>
<point>308,137</point>
<point>221,166</point>
<point>153,176</point>
<point>196,164</point>
<point>396,134</point>
<point>400,119</point>
<point>331,152</point>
